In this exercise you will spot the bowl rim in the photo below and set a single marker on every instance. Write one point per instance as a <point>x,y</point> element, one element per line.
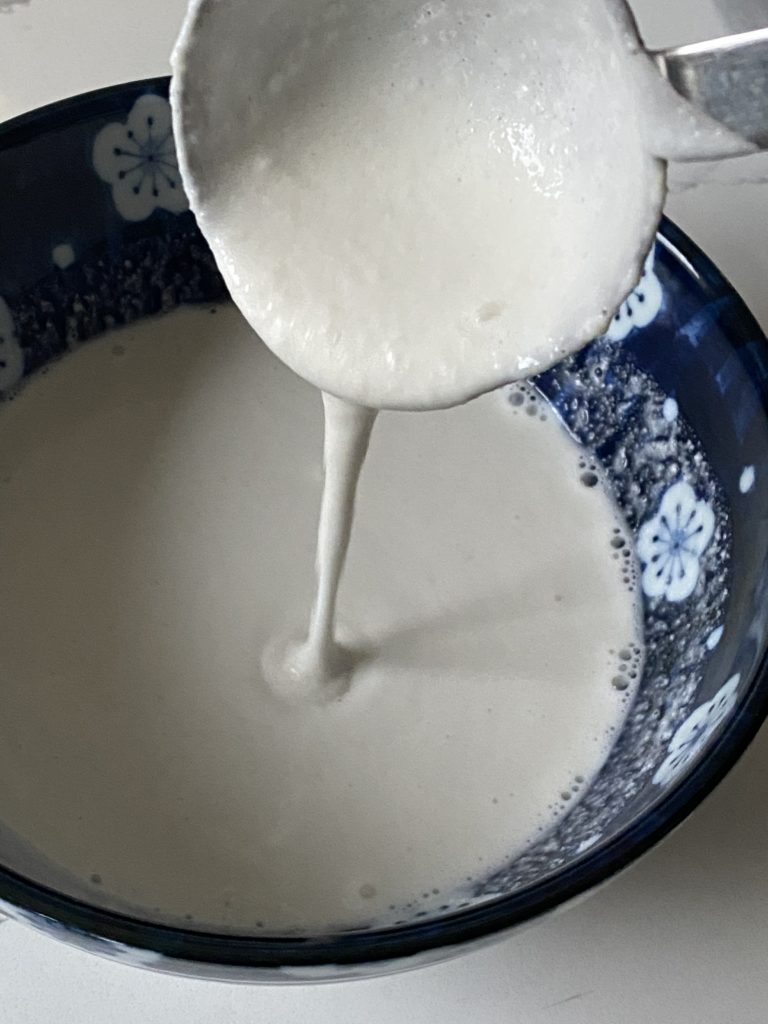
<point>594,867</point>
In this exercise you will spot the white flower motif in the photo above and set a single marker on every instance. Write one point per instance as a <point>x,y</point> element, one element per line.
<point>670,544</point>
<point>693,734</point>
<point>11,356</point>
<point>138,159</point>
<point>641,306</point>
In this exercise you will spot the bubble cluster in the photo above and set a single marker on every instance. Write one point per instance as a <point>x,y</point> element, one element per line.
<point>623,552</point>
<point>641,443</point>
<point>627,664</point>
<point>526,398</point>
<point>523,397</point>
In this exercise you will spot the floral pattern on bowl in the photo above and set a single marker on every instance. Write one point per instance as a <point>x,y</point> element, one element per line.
<point>693,734</point>
<point>138,159</point>
<point>671,543</point>
<point>641,306</point>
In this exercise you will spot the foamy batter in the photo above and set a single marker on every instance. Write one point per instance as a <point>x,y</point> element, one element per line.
<point>413,202</point>
<point>158,509</point>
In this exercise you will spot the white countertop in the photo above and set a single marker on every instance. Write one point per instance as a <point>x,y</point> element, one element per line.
<point>680,939</point>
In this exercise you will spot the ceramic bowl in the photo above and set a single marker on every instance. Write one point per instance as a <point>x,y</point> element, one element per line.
<point>671,402</point>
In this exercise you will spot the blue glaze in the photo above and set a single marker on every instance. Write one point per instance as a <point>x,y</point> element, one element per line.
<point>671,404</point>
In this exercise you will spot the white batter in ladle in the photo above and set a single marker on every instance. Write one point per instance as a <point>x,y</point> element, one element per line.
<point>415,202</point>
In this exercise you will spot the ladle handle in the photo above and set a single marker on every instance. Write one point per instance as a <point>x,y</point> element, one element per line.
<point>727,78</point>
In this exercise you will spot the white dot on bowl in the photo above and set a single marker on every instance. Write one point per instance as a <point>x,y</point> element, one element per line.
<point>747,479</point>
<point>63,255</point>
<point>669,410</point>
<point>714,638</point>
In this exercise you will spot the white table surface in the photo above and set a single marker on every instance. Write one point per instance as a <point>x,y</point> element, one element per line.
<point>680,939</point>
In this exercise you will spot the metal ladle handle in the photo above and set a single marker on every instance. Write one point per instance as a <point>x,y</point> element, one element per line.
<point>727,78</point>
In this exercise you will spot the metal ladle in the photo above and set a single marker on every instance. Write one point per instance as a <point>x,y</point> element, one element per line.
<point>727,78</point>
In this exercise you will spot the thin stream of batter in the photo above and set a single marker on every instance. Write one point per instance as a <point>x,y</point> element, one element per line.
<point>320,665</point>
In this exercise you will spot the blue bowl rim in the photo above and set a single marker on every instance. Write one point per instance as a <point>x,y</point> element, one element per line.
<point>462,927</point>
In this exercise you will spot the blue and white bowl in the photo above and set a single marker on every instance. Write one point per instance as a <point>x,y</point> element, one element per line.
<point>672,403</point>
